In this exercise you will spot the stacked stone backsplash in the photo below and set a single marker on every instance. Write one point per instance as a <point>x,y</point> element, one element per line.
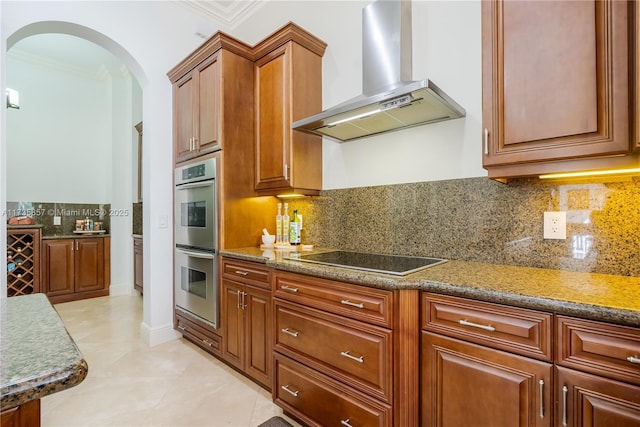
<point>477,219</point>
<point>44,212</point>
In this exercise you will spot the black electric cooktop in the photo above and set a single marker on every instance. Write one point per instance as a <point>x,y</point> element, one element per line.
<point>389,264</point>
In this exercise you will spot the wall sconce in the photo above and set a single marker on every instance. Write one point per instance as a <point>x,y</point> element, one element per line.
<point>13,99</point>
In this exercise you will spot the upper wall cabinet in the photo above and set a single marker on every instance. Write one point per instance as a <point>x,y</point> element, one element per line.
<point>288,87</point>
<point>556,87</point>
<point>212,95</point>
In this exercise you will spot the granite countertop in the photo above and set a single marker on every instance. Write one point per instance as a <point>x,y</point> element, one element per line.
<point>602,297</point>
<point>38,356</point>
<point>23,226</point>
<point>74,236</point>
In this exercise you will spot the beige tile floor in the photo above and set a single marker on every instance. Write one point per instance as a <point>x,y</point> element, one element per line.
<point>131,384</point>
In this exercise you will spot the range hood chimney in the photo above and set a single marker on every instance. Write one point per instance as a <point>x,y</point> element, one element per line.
<point>390,100</point>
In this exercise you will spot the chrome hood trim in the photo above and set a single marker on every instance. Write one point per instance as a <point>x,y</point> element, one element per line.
<point>390,100</point>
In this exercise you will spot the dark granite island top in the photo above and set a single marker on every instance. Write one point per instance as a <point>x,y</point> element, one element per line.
<point>37,354</point>
<point>603,297</point>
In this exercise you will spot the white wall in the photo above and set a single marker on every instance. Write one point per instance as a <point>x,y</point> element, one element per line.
<point>150,38</point>
<point>59,141</point>
<point>446,49</point>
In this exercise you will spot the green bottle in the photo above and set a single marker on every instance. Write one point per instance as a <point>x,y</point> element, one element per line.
<point>294,229</point>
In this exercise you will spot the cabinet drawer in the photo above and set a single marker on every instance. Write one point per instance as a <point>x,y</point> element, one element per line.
<point>247,272</point>
<point>199,336</point>
<point>517,330</point>
<point>609,350</point>
<point>320,401</point>
<point>354,352</point>
<point>358,302</point>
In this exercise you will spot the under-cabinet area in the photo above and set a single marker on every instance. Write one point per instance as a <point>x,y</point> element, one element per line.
<point>339,348</point>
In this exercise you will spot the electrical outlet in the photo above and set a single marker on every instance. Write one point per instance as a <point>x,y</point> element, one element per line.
<point>555,225</point>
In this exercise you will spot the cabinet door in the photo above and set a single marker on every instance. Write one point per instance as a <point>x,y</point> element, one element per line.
<point>233,322</point>
<point>207,119</point>
<point>587,400</point>
<point>465,384</point>
<point>257,303</point>
<point>273,119</point>
<point>58,270</point>
<point>89,264</point>
<point>555,80</point>
<point>183,116</point>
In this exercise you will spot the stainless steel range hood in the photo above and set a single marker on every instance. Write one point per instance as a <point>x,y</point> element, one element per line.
<point>390,100</point>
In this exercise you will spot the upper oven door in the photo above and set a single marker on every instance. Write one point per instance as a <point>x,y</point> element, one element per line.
<point>195,215</point>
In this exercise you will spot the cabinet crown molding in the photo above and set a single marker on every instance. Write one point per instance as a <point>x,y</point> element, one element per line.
<point>287,33</point>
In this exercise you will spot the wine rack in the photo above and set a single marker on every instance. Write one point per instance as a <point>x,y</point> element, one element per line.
<point>23,261</point>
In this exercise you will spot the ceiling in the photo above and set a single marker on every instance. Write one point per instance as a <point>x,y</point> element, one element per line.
<point>81,56</point>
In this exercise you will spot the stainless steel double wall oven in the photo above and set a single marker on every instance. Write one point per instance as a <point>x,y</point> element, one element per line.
<point>196,236</point>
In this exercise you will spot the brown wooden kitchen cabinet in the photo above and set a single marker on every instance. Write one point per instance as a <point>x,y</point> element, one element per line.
<point>556,89</point>
<point>335,341</point>
<point>76,268</point>
<point>247,319</point>
<point>138,266</point>
<point>598,377</point>
<point>210,97</point>
<point>288,87</point>
<point>477,382</point>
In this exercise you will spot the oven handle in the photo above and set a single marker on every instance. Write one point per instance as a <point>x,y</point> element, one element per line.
<point>196,254</point>
<point>194,185</point>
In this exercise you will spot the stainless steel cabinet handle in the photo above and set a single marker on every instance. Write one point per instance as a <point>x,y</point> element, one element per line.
<point>238,292</point>
<point>207,342</point>
<point>291,392</point>
<point>486,141</point>
<point>286,172</point>
<point>290,332</point>
<point>345,423</point>
<point>465,322</point>
<point>182,328</point>
<point>289,288</point>
<point>633,359</point>
<point>76,245</point>
<point>242,273</point>
<point>352,304</point>
<point>565,390</point>
<point>195,144</point>
<point>191,144</point>
<point>243,305</point>
<point>541,382</point>
<point>357,359</point>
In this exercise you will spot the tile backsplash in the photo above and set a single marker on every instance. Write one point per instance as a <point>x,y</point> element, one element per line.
<point>44,213</point>
<point>477,219</point>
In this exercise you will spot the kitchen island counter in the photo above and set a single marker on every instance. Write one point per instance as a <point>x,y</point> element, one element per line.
<point>603,297</point>
<point>37,354</point>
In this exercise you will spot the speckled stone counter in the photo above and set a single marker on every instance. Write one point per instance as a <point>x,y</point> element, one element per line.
<point>38,355</point>
<point>602,297</point>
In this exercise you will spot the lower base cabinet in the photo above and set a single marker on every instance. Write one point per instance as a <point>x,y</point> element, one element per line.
<point>25,415</point>
<point>198,333</point>
<point>465,384</point>
<point>320,401</point>
<point>587,400</point>
<point>137,265</point>
<point>75,269</point>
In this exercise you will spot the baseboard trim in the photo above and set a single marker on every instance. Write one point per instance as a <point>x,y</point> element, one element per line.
<point>156,336</point>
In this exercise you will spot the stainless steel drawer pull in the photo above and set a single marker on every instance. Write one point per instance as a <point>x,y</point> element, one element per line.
<point>346,423</point>
<point>207,342</point>
<point>289,288</point>
<point>290,332</point>
<point>633,359</point>
<point>291,392</point>
<point>242,273</point>
<point>541,382</point>
<point>357,359</point>
<point>182,328</point>
<point>565,390</point>
<point>465,322</point>
<point>352,304</point>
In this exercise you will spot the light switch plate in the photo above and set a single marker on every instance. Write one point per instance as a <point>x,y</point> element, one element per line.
<point>57,220</point>
<point>555,225</point>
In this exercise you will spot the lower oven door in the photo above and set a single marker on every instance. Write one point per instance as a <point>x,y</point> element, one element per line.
<point>196,284</point>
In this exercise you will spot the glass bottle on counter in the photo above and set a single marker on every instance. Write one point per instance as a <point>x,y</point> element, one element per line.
<point>294,230</point>
<point>285,225</point>
<point>279,225</point>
